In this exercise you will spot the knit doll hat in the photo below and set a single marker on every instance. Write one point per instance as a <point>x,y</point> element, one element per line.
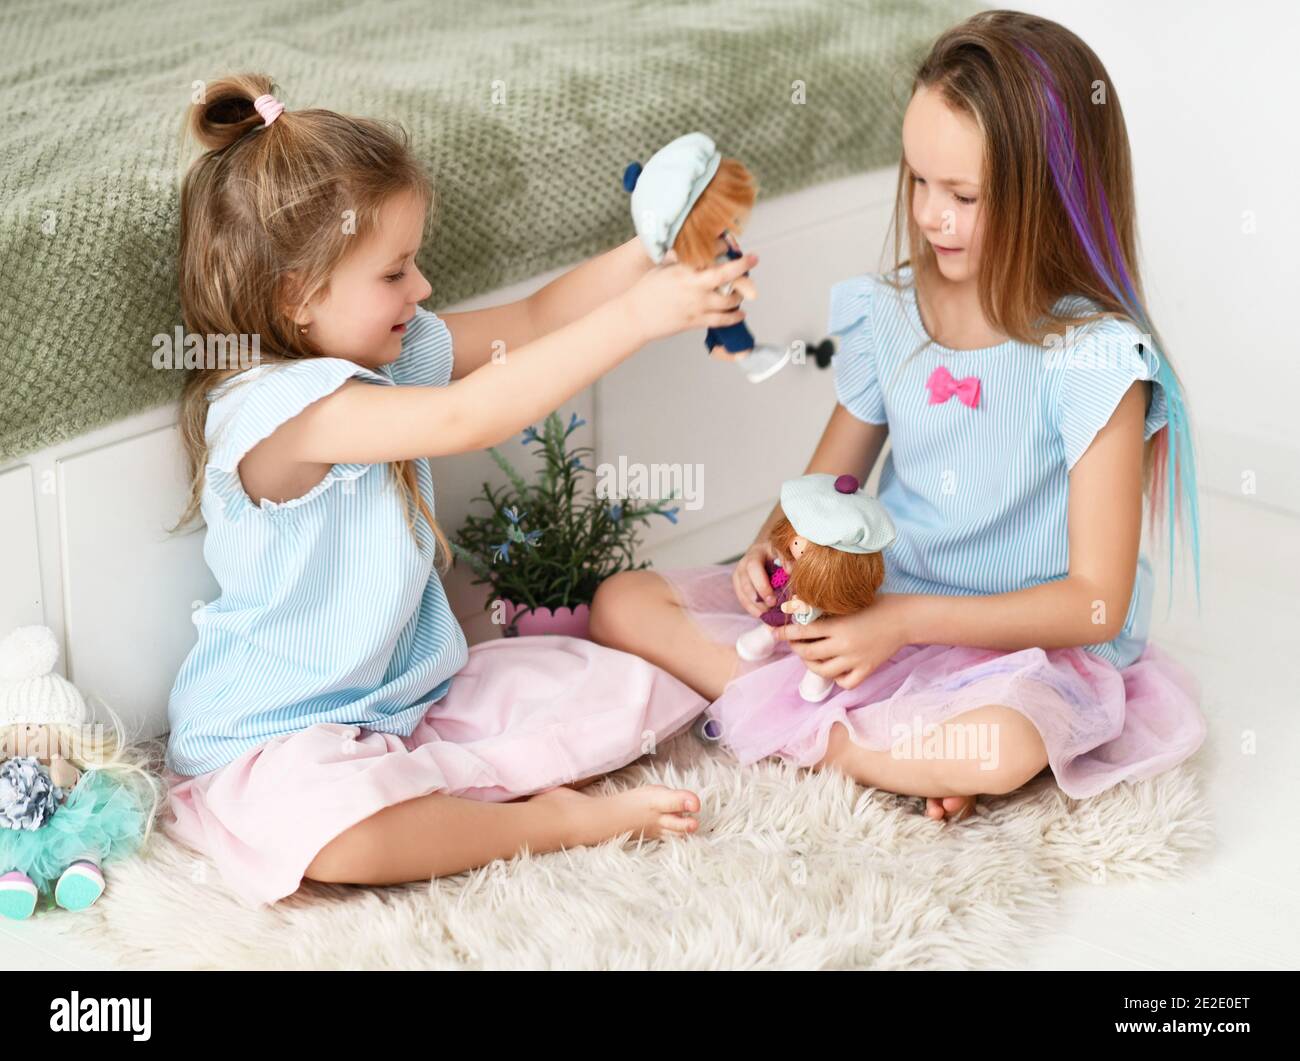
<point>832,510</point>
<point>667,187</point>
<point>29,690</point>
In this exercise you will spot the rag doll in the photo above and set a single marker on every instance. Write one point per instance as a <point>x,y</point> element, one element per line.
<point>828,561</point>
<point>686,198</point>
<point>71,797</point>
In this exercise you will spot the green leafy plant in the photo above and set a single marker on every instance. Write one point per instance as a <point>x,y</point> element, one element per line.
<point>549,544</point>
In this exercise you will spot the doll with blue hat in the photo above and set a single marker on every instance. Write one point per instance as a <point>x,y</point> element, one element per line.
<point>685,199</point>
<point>827,545</point>
<point>71,797</point>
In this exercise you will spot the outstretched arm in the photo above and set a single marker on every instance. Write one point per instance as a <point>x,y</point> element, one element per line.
<point>476,334</point>
<point>369,423</point>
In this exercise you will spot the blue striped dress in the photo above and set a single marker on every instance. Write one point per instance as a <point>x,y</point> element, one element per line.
<point>330,611</point>
<point>979,494</point>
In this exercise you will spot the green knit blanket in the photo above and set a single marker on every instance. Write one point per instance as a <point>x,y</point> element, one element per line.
<point>94,93</point>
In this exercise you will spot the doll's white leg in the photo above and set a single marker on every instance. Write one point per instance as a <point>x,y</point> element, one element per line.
<point>813,687</point>
<point>764,362</point>
<point>757,643</point>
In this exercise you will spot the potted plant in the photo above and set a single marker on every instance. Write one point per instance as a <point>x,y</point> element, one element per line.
<point>544,547</point>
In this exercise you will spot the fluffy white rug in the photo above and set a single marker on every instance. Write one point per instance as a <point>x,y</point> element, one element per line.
<point>789,869</point>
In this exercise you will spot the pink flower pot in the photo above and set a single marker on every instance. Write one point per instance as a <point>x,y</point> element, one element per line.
<point>563,621</point>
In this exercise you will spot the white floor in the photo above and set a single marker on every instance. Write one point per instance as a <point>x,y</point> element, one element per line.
<point>1240,907</point>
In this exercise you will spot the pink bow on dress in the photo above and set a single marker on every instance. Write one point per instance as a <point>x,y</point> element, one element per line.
<point>943,386</point>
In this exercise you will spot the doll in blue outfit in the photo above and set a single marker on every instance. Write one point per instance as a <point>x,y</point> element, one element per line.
<point>691,201</point>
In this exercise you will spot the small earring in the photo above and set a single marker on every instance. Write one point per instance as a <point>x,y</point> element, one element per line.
<point>303,331</point>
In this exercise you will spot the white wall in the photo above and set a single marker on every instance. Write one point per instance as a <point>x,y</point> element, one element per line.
<point>1209,92</point>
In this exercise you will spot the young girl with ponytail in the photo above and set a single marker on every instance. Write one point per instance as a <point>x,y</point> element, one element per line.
<point>331,721</point>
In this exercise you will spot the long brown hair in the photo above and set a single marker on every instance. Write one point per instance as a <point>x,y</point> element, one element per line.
<point>261,202</point>
<point>732,191</point>
<point>1034,254</point>
<point>837,582</point>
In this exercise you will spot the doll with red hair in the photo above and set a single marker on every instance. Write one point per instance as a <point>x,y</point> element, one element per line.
<point>828,545</point>
<point>686,199</point>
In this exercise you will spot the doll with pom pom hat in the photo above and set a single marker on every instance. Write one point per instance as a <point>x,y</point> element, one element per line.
<point>827,544</point>
<point>685,199</point>
<point>58,825</point>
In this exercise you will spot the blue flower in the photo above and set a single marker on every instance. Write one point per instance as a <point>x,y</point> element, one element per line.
<point>615,512</point>
<point>670,514</point>
<point>501,552</point>
<point>512,516</point>
<point>516,534</point>
<point>574,424</point>
<point>577,463</point>
<point>531,435</point>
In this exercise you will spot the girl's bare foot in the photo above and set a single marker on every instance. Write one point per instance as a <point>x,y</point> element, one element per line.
<point>651,811</point>
<point>954,808</point>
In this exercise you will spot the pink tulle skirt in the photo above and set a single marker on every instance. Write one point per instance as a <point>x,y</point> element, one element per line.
<point>1100,724</point>
<point>523,715</point>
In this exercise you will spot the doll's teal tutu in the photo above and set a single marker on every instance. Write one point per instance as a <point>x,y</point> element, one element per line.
<point>100,815</point>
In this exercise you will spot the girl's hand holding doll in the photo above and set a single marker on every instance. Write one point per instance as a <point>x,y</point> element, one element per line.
<point>675,297</point>
<point>750,579</point>
<point>825,561</point>
<point>846,648</point>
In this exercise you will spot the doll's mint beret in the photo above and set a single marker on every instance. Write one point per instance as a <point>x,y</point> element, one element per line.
<point>666,187</point>
<point>832,510</point>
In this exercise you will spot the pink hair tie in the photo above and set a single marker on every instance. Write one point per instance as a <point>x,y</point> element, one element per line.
<point>269,108</point>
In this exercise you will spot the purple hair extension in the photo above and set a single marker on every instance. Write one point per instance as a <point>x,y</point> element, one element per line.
<point>1175,460</point>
